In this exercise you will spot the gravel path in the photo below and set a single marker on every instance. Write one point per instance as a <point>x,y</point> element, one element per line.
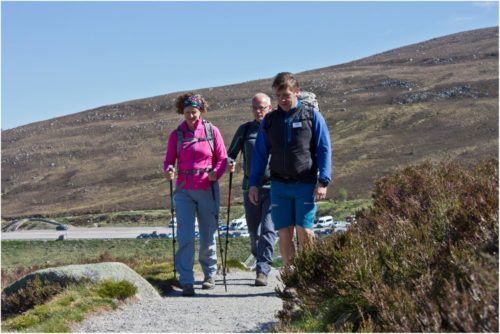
<point>244,308</point>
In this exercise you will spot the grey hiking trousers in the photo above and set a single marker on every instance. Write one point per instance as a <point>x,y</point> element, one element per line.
<point>261,230</point>
<point>189,204</point>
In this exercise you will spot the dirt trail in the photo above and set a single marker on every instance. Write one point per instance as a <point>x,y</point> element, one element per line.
<point>244,308</point>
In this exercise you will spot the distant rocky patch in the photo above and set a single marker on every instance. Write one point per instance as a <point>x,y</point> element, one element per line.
<point>397,83</point>
<point>441,95</point>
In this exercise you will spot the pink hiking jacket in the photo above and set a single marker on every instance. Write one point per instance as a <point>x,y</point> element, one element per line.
<point>195,155</point>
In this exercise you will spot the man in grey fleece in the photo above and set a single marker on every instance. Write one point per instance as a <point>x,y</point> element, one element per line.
<point>258,217</point>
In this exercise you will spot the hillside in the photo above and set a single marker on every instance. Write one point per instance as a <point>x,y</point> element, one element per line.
<point>432,100</point>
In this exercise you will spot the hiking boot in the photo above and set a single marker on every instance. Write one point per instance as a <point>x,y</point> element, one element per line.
<point>188,290</point>
<point>208,283</point>
<point>261,279</point>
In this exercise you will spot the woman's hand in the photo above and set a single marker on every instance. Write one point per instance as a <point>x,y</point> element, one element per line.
<point>212,176</point>
<point>170,173</point>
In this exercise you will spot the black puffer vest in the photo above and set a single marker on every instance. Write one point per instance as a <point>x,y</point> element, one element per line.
<point>292,149</point>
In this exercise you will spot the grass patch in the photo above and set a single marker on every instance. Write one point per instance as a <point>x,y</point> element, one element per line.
<point>341,209</point>
<point>22,257</point>
<point>71,305</point>
<point>233,263</point>
<point>116,290</point>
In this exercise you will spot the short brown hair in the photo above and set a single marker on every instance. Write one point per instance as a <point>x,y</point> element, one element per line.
<point>179,102</point>
<point>285,80</point>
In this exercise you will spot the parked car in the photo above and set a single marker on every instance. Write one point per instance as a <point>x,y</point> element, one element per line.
<point>235,235</point>
<point>223,228</point>
<point>342,224</point>
<point>174,223</point>
<point>245,234</point>
<point>327,231</point>
<point>340,229</point>
<point>350,219</point>
<point>325,221</point>
<point>165,235</point>
<point>238,224</point>
<point>61,227</point>
<point>143,236</point>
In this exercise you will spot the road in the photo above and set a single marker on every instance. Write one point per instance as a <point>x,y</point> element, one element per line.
<point>91,233</point>
<point>84,233</point>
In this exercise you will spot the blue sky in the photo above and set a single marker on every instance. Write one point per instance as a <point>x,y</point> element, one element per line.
<point>60,58</point>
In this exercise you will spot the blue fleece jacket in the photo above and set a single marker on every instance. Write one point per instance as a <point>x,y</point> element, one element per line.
<point>321,139</point>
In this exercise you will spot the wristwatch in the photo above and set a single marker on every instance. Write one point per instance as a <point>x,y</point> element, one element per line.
<point>323,183</point>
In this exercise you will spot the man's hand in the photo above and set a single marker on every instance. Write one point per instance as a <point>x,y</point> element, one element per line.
<point>232,167</point>
<point>253,195</point>
<point>170,173</point>
<point>320,192</point>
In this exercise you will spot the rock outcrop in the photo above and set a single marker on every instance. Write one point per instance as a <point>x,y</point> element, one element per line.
<point>94,272</point>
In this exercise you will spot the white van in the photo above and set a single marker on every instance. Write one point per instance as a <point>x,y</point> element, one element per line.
<point>325,221</point>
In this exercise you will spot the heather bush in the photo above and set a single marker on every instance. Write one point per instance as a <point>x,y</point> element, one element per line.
<point>36,292</point>
<point>423,258</point>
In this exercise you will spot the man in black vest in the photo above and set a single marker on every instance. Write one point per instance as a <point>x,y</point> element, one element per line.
<point>258,217</point>
<point>296,137</point>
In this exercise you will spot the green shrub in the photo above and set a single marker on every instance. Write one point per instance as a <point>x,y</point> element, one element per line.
<point>423,258</point>
<point>117,290</point>
<point>342,194</point>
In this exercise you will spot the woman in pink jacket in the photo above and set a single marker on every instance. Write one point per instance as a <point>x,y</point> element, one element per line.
<point>201,157</point>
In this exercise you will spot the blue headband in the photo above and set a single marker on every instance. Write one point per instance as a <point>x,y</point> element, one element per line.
<point>194,101</point>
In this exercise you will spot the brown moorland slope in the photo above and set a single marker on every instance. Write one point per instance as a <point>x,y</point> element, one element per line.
<point>432,100</point>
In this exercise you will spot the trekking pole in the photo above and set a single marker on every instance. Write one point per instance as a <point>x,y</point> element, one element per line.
<point>172,220</point>
<point>297,236</point>
<point>218,232</point>
<point>227,224</point>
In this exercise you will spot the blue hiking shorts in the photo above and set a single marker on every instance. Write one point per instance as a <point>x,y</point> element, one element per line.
<point>292,204</point>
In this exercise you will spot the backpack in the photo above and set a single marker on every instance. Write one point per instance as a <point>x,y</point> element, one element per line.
<point>309,99</point>
<point>209,133</point>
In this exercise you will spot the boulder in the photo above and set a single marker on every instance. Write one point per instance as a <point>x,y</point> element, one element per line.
<point>95,272</point>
